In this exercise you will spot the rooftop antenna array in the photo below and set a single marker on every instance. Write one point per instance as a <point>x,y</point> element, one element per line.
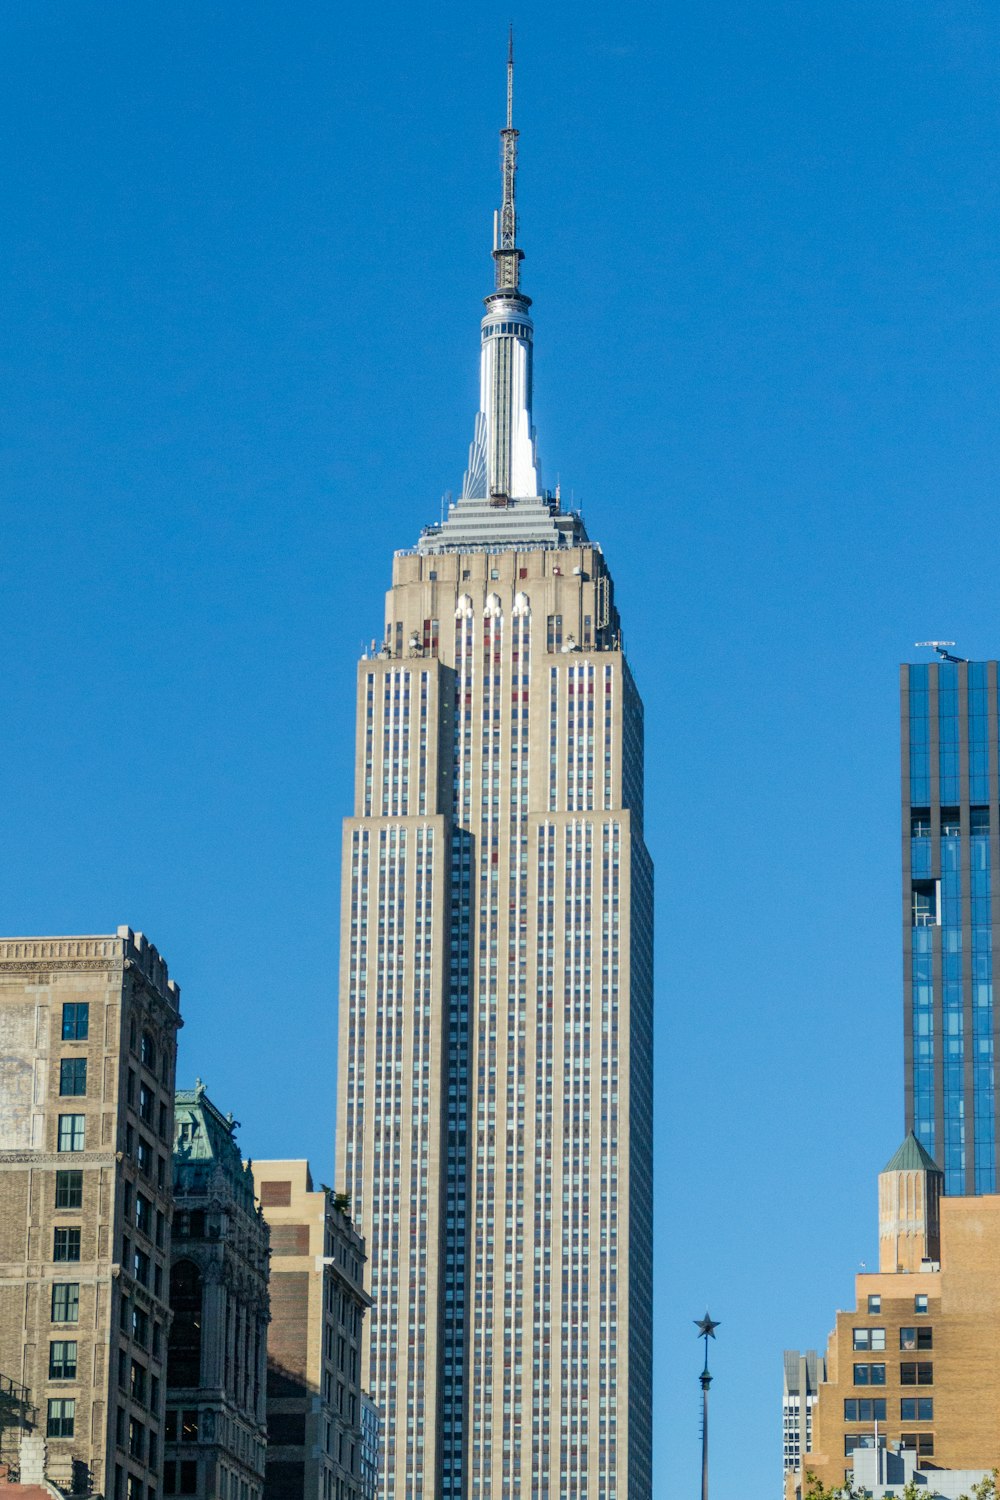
<point>941,648</point>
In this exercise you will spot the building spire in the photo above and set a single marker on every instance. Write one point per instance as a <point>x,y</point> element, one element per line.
<point>505,252</point>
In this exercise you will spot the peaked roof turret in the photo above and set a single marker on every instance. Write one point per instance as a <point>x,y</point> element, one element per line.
<point>911,1157</point>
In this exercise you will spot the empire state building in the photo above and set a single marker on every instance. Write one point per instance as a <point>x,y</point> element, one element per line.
<point>496,992</point>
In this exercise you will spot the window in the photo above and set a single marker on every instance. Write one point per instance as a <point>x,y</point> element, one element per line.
<point>72,1133</point>
<point>920,823</point>
<point>189,1426</point>
<point>874,1303</point>
<point>188,1476</point>
<point>66,1302</point>
<point>61,1418</point>
<point>69,1189</point>
<point>916,1409</point>
<point>869,1338</point>
<point>170,1427</point>
<point>869,1374</point>
<point>925,903</point>
<point>147,1051</point>
<point>184,1339</point>
<point>146,1104</point>
<point>143,1214</point>
<point>66,1244</point>
<point>62,1359</point>
<point>75,1023</point>
<point>922,1442</point>
<point>912,1373</point>
<point>140,1327</point>
<point>868,1410</point>
<point>137,1382</point>
<point>72,1076</point>
<point>920,1302</point>
<point>141,1267</point>
<point>916,1338</point>
<point>144,1156</point>
<point>136,1438</point>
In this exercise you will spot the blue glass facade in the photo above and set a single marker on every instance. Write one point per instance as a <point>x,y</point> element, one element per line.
<point>950,812</point>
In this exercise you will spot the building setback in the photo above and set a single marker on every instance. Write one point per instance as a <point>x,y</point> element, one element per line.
<point>914,1362</point>
<point>316,1428</point>
<point>495,1046</point>
<point>951,915</point>
<point>87,1055</point>
<point>215,1432</point>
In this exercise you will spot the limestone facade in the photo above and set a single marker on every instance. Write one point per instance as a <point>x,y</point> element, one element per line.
<point>87,1057</point>
<point>217,1351</point>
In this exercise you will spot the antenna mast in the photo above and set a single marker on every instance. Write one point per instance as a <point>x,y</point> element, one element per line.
<point>506,253</point>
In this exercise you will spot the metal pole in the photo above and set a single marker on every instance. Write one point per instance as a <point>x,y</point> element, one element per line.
<point>706,1330</point>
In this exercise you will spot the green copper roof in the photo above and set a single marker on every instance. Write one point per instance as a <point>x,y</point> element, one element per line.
<point>911,1157</point>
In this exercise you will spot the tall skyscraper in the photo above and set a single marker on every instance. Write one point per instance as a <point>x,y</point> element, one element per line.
<point>951,915</point>
<point>495,1056</point>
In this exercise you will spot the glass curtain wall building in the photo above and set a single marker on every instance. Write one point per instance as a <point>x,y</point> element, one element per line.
<point>951,913</point>
<point>495,1049</point>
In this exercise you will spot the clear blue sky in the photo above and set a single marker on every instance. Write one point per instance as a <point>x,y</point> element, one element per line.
<point>243,248</point>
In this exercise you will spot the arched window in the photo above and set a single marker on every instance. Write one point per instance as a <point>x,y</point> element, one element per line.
<point>184,1345</point>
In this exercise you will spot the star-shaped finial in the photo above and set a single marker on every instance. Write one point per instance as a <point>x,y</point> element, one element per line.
<point>706,1328</point>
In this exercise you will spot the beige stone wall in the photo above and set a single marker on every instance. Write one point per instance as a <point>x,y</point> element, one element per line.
<point>551,820</point>
<point>124,983</point>
<point>963,1316</point>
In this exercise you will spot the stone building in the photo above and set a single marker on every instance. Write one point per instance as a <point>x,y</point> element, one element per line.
<point>913,1367</point>
<point>87,1055</point>
<point>315,1434</point>
<point>217,1350</point>
<point>495,1052</point>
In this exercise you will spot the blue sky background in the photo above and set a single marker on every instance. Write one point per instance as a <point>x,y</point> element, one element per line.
<point>242,254</point>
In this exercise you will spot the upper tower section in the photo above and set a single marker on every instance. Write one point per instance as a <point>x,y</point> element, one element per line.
<point>502,503</point>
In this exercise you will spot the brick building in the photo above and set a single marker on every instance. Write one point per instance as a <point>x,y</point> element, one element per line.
<point>87,1056</point>
<point>913,1365</point>
<point>315,1435</point>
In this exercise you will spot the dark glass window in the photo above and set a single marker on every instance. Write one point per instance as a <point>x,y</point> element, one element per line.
<point>979,820</point>
<point>188,1476</point>
<point>866,1410</point>
<point>916,1338</point>
<point>916,1409</point>
<point>925,903</point>
<point>61,1419</point>
<point>62,1359</point>
<point>184,1339</point>
<point>921,1442</point>
<point>72,1075</point>
<point>189,1426</point>
<point>140,1327</point>
<point>146,1102</point>
<point>75,1023</point>
<point>920,823</point>
<point>69,1189</point>
<point>951,823</point>
<point>66,1302</point>
<point>147,1051</point>
<point>66,1244</point>
<point>913,1373</point>
<point>170,1430</point>
<point>869,1374</point>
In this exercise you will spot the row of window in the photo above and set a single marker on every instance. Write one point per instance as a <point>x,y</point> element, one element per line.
<point>910,1373</point>
<point>921,1443</point>
<point>873,1408</point>
<point>875,1302</point>
<point>909,1338</point>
